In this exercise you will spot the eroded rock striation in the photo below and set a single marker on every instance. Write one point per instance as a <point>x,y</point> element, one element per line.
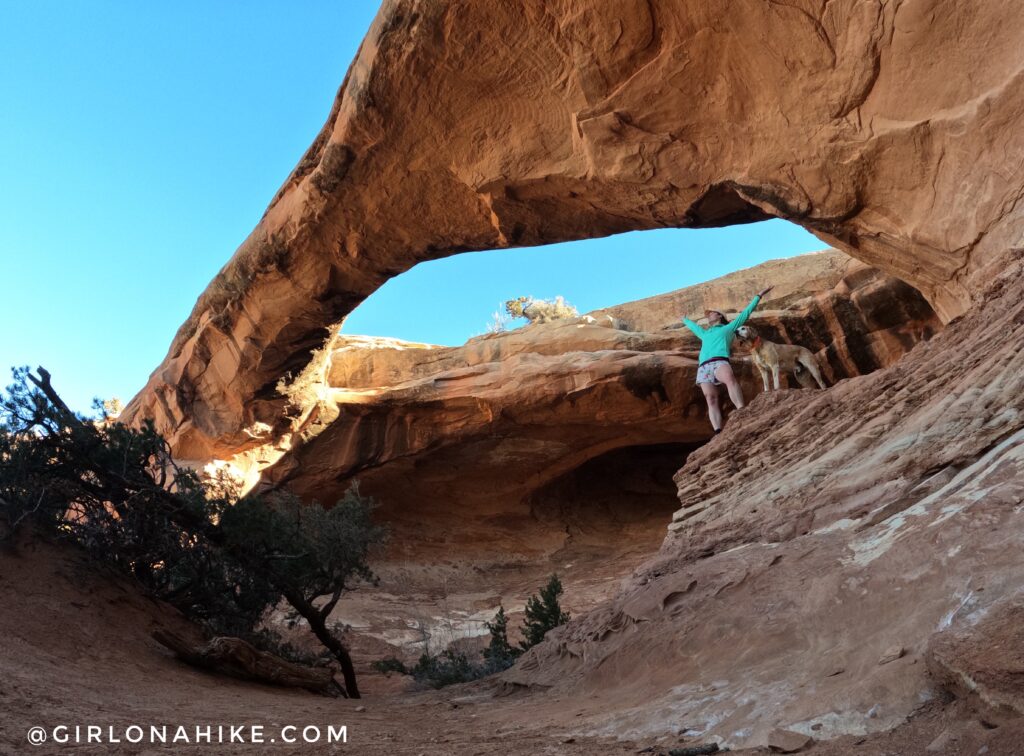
<point>890,130</point>
<point>829,548</point>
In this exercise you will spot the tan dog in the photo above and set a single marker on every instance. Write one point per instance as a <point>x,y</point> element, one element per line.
<point>769,356</point>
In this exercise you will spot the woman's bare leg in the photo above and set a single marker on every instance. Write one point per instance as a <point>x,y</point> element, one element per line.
<point>724,373</point>
<point>714,410</point>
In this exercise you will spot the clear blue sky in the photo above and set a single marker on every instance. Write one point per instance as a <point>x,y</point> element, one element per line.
<point>140,143</point>
<point>447,301</point>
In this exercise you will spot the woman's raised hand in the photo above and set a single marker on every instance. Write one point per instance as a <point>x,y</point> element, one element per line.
<point>764,291</point>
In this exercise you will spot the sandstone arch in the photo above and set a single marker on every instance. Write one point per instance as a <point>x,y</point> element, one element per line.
<point>444,437</point>
<point>464,126</point>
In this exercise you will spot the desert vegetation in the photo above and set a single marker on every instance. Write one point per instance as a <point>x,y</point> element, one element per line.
<point>540,310</point>
<point>451,666</point>
<point>221,558</point>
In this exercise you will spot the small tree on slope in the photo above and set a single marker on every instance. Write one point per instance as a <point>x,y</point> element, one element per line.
<point>221,559</point>
<point>543,613</point>
<point>499,654</point>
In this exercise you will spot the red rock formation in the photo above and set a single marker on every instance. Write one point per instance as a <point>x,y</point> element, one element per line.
<point>793,279</point>
<point>890,130</point>
<point>823,528</point>
<point>455,455</point>
<point>820,531</point>
<point>547,448</point>
<point>456,441</point>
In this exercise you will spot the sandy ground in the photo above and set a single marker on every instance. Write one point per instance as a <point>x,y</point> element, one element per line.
<point>77,651</point>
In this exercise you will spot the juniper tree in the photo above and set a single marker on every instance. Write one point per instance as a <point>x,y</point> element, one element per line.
<point>221,558</point>
<point>499,654</point>
<point>543,613</point>
<point>308,553</point>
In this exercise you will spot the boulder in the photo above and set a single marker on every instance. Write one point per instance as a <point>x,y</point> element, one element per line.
<point>787,741</point>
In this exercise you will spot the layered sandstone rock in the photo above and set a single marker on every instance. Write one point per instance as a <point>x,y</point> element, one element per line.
<point>890,130</point>
<point>792,279</point>
<point>454,455</point>
<point>550,448</point>
<point>819,533</point>
<point>454,440</point>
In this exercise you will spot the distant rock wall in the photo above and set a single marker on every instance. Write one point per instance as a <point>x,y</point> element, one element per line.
<point>453,439</point>
<point>793,279</point>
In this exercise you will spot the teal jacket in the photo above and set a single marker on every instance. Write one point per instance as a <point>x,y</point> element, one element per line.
<point>716,340</point>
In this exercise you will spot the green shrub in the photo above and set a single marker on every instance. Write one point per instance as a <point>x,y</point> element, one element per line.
<point>499,654</point>
<point>447,668</point>
<point>543,613</point>
<point>390,664</point>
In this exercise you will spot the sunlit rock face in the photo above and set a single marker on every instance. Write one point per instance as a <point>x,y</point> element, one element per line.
<point>890,130</point>
<point>830,548</point>
<point>456,441</point>
<point>551,447</point>
<point>822,529</point>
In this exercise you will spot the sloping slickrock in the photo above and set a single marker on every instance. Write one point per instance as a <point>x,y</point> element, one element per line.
<point>982,654</point>
<point>891,130</point>
<point>820,530</point>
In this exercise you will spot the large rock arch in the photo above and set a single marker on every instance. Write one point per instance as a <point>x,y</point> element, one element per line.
<point>889,129</point>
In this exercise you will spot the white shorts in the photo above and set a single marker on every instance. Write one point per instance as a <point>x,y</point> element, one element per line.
<point>706,372</point>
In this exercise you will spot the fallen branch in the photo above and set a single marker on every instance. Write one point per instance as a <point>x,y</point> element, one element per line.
<point>235,657</point>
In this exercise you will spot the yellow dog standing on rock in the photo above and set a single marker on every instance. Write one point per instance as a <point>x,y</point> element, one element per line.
<point>771,359</point>
<point>715,349</point>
